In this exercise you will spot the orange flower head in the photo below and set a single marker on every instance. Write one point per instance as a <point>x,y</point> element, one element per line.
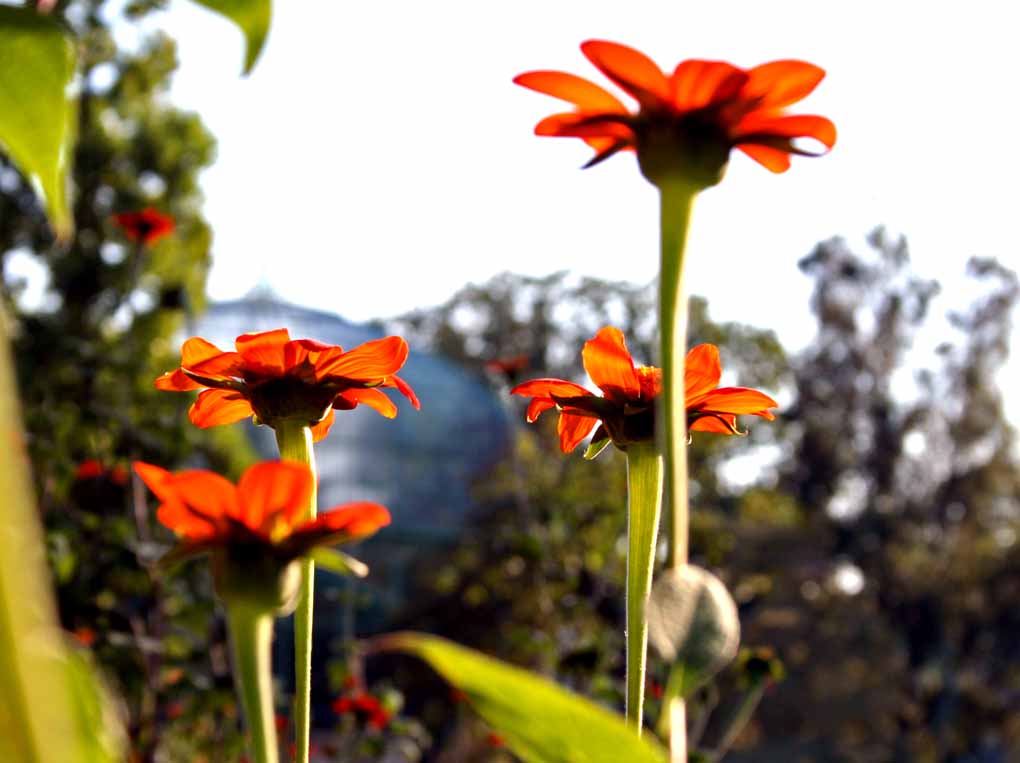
<point>275,378</point>
<point>687,121</point>
<point>253,529</point>
<point>146,226</point>
<point>626,408</point>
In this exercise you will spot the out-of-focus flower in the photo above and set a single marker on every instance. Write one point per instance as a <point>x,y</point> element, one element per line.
<point>263,509</point>
<point>687,121</point>
<point>510,368</point>
<point>147,226</point>
<point>253,529</point>
<point>84,635</point>
<point>494,740</point>
<point>276,378</point>
<point>89,470</point>
<point>366,708</point>
<point>626,408</point>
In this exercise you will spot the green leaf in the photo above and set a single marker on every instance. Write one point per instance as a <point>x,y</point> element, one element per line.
<point>540,721</point>
<point>595,447</point>
<point>37,114</point>
<point>337,561</point>
<point>52,710</point>
<point>252,16</point>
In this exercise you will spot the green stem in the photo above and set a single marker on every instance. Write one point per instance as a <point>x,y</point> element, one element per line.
<point>739,719</point>
<point>251,634</point>
<point>676,202</point>
<point>295,443</point>
<point>644,500</point>
<point>672,723</point>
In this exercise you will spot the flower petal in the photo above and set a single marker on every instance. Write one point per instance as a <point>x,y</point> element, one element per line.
<point>573,429</point>
<point>773,159</point>
<point>158,480</point>
<point>586,95</point>
<point>632,70</point>
<point>372,397</point>
<point>176,515</point>
<point>176,381</point>
<point>404,389</point>
<point>194,352</point>
<point>263,352</point>
<point>214,407</point>
<point>273,491</point>
<point>354,519</point>
<point>723,424</point>
<point>371,361</point>
<point>696,84</point>
<point>543,390</point>
<point>758,129</point>
<point>207,494</point>
<point>610,365</point>
<point>702,371</point>
<point>737,400</point>
<point>781,83</point>
<point>320,430</point>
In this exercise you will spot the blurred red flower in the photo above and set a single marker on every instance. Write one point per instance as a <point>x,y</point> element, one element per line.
<point>509,368</point>
<point>94,469</point>
<point>147,226</point>
<point>703,107</point>
<point>262,511</point>
<point>89,470</point>
<point>273,378</point>
<point>626,408</point>
<point>84,635</point>
<point>366,708</point>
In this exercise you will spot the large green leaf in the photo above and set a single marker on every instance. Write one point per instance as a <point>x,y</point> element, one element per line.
<point>540,721</point>
<point>37,114</point>
<point>252,16</point>
<point>52,710</point>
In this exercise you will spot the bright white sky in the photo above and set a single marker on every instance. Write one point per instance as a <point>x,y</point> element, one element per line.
<point>379,157</point>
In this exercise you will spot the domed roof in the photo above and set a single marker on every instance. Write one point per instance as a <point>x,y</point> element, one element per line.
<point>420,464</point>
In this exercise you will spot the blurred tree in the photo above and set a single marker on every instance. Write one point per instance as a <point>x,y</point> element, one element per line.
<point>539,579</point>
<point>94,322</point>
<point>869,534</point>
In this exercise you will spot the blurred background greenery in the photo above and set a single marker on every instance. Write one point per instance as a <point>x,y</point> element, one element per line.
<point>869,535</point>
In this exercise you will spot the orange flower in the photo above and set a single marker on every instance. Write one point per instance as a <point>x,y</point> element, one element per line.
<point>274,378</point>
<point>689,120</point>
<point>626,408</point>
<point>262,511</point>
<point>146,226</point>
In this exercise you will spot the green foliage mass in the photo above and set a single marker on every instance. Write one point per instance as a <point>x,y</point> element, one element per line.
<point>108,321</point>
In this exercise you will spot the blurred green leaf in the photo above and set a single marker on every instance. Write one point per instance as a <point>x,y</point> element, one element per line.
<point>37,114</point>
<point>48,706</point>
<point>252,16</point>
<point>338,562</point>
<point>540,721</point>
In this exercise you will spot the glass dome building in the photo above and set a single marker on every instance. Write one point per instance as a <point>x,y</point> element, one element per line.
<point>420,465</point>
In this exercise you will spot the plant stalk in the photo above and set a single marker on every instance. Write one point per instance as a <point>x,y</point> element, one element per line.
<point>676,202</point>
<point>295,444</point>
<point>251,635</point>
<point>644,502</point>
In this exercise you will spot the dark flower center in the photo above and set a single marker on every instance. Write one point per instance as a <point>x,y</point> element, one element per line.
<point>290,398</point>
